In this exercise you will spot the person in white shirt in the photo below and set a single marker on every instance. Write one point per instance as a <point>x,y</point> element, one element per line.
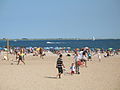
<point>72,68</point>
<point>77,58</point>
<point>83,56</point>
<point>99,55</point>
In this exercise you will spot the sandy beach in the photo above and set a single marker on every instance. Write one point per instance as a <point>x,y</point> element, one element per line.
<point>79,40</point>
<point>39,74</point>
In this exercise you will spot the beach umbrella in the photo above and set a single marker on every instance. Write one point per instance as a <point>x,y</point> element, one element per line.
<point>38,49</point>
<point>17,47</point>
<point>51,47</point>
<point>60,48</point>
<point>97,48</point>
<point>47,48</point>
<point>92,49</point>
<point>77,49</point>
<point>1,48</point>
<point>110,48</point>
<point>27,48</point>
<point>57,48</point>
<point>30,47</point>
<point>5,49</point>
<point>86,48</point>
<point>68,47</point>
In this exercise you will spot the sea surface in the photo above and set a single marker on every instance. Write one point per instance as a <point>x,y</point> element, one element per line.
<point>111,43</point>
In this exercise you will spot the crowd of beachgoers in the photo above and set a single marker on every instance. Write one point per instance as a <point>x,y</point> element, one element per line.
<point>80,56</point>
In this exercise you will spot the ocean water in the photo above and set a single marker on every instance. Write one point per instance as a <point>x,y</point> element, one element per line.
<point>65,43</point>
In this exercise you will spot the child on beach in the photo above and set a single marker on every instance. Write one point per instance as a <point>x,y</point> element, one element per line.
<point>60,66</point>
<point>72,68</point>
<point>89,56</point>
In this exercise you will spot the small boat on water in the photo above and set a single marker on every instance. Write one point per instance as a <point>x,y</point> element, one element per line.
<point>15,40</point>
<point>48,42</point>
<point>93,38</point>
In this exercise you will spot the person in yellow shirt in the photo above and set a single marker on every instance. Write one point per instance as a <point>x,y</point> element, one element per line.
<point>21,56</point>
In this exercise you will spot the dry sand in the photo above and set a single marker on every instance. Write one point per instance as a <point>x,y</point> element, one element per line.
<point>39,74</point>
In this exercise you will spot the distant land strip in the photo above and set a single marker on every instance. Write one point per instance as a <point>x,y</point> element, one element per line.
<point>58,39</point>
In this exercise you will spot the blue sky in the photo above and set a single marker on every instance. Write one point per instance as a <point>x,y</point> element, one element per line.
<point>59,18</point>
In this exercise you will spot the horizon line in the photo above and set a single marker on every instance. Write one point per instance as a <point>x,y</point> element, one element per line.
<point>58,38</point>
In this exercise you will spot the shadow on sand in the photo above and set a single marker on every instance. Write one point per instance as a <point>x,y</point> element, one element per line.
<point>51,77</point>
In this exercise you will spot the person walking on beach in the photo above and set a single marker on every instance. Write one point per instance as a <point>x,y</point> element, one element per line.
<point>77,66</point>
<point>83,56</point>
<point>99,55</point>
<point>60,66</point>
<point>41,53</point>
<point>21,58</point>
<point>23,53</point>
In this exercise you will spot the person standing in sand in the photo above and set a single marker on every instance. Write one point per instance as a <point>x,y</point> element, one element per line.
<point>84,57</point>
<point>77,66</point>
<point>23,53</point>
<point>60,66</point>
<point>72,68</point>
<point>21,57</point>
<point>89,55</point>
<point>41,53</point>
<point>99,55</point>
